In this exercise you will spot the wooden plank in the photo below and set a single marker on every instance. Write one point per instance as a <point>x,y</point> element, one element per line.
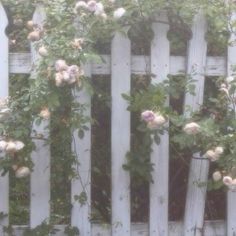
<point>231,195</point>
<point>196,193</point>
<point>211,228</point>
<point>160,65</point>
<point>80,214</point>
<point>120,134</point>
<point>20,63</point>
<point>40,177</point>
<point>4,181</point>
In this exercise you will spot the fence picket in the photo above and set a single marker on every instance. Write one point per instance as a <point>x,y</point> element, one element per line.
<point>40,177</point>
<point>120,136</point>
<point>231,195</point>
<point>196,193</point>
<point>160,65</point>
<point>80,215</point>
<point>4,181</point>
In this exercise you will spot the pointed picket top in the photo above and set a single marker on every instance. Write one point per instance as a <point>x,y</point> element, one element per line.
<point>120,134</point>
<point>231,195</point>
<point>39,17</point>
<point>40,177</point>
<point>4,81</point>
<point>160,66</point>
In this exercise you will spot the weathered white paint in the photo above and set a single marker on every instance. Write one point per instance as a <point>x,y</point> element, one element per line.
<point>120,134</point>
<point>196,193</point>
<point>160,65</point>
<point>231,195</point>
<point>40,177</point>
<point>211,228</point>
<point>80,214</point>
<point>20,63</point>
<point>4,181</point>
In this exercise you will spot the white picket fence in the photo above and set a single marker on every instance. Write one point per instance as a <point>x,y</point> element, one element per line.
<point>121,64</point>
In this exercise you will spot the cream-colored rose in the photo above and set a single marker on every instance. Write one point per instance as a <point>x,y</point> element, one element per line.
<point>61,65</point>
<point>192,128</point>
<point>11,147</point>
<point>43,51</point>
<point>219,150</point>
<point>22,172</point>
<point>45,113</point>
<point>227,180</point>
<point>34,36</point>
<point>59,79</point>
<point>157,122</point>
<point>212,155</point>
<point>217,176</point>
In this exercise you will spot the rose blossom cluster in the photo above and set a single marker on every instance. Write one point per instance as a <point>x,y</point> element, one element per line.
<point>11,146</point>
<point>4,110</point>
<point>227,180</point>
<point>214,155</point>
<point>97,8</point>
<point>66,75</point>
<point>153,120</point>
<point>36,31</point>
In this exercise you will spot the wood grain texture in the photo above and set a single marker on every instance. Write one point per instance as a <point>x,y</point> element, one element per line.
<point>4,80</point>
<point>120,134</point>
<point>80,214</point>
<point>20,63</point>
<point>160,66</point>
<point>40,177</point>
<point>198,174</point>
<point>211,228</point>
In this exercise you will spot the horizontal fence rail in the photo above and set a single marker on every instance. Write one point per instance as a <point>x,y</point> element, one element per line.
<point>20,63</point>
<point>122,64</point>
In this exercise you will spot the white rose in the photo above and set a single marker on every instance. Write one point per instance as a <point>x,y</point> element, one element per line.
<point>219,150</point>
<point>81,4</point>
<point>22,172</point>
<point>99,9</point>
<point>217,176</point>
<point>118,13</point>
<point>191,128</point>
<point>229,79</point>
<point>19,145</point>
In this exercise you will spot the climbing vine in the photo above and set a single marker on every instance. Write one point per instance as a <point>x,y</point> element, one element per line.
<point>72,35</point>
